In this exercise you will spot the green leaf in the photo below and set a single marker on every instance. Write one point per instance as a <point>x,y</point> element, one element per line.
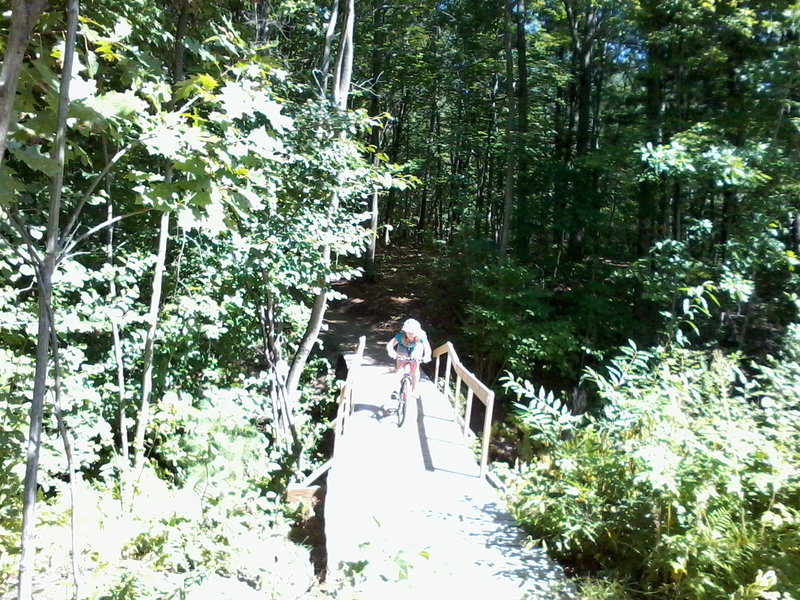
<point>33,157</point>
<point>163,140</point>
<point>8,186</point>
<point>115,104</point>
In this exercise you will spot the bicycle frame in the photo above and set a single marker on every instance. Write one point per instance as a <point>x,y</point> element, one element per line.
<point>403,394</point>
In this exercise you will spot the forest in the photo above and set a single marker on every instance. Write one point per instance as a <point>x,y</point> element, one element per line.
<point>605,202</point>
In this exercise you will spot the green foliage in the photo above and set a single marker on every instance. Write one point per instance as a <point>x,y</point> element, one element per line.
<point>683,487</point>
<point>688,287</point>
<point>700,152</point>
<point>510,320</point>
<point>545,419</point>
<point>210,518</point>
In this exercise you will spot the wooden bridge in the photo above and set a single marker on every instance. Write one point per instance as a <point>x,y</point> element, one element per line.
<point>409,512</point>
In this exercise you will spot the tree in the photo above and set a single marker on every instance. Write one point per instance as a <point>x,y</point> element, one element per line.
<point>45,266</point>
<point>24,16</point>
<point>341,90</point>
<point>161,255</point>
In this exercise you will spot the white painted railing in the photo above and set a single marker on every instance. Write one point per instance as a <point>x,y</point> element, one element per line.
<point>343,412</point>
<point>346,394</point>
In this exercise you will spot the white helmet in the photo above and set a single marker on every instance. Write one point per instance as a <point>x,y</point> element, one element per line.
<point>412,326</point>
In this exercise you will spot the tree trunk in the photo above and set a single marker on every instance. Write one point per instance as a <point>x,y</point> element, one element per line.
<point>149,343</point>
<point>115,329</point>
<point>344,61</point>
<point>24,15</point>
<point>584,30</point>
<point>730,203</point>
<point>374,110</point>
<point>484,172</point>
<point>27,547</point>
<point>508,194</point>
<point>677,210</point>
<point>398,130</point>
<point>44,271</point>
<point>341,91</point>
<point>67,440</point>
<point>524,211</point>
<point>649,190</point>
<point>584,33</point>
<point>325,61</point>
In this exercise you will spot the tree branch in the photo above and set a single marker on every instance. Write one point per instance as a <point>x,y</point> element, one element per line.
<point>65,251</point>
<point>71,227</point>
<point>19,228</point>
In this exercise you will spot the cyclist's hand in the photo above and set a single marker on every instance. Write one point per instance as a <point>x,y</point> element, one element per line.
<point>392,354</point>
<point>426,359</point>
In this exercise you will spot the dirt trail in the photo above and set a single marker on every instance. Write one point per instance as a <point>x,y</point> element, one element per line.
<point>377,309</point>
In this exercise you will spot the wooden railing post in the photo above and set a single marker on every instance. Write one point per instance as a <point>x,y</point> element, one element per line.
<point>447,377</point>
<point>487,433</point>
<point>345,408</point>
<point>468,410</point>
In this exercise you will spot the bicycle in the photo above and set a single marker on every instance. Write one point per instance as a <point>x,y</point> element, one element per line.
<point>404,392</point>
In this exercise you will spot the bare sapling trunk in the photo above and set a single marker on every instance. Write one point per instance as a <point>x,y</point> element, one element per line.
<point>373,227</point>
<point>115,330</point>
<point>149,346</point>
<point>325,62</point>
<point>67,440</point>
<point>160,267</point>
<point>341,90</point>
<point>45,268</point>
<point>282,416</point>
<point>149,343</point>
<point>24,15</point>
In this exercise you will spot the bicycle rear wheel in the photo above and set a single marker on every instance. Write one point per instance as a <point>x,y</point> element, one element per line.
<point>402,399</point>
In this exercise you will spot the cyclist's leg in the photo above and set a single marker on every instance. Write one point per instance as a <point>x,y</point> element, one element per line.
<point>401,363</point>
<point>414,375</point>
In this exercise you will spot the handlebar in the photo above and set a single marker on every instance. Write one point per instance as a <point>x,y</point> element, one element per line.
<point>411,359</point>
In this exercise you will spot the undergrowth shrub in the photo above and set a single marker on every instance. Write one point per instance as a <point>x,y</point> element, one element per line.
<point>510,320</point>
<point>202,521</point>
<point>686,485</point>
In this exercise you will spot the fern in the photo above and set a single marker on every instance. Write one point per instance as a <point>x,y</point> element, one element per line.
<point>545,418</point>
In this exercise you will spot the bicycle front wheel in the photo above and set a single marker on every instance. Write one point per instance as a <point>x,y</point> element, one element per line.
<point>402,401</point>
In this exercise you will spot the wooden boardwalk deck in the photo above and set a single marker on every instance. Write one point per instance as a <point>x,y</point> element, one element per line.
<point>408,516</point>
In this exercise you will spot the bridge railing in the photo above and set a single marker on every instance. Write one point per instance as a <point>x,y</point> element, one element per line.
<point>474,387</point>
<point>346,394</point>
<point>345,409</point>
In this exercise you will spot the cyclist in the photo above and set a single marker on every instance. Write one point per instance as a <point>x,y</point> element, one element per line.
<point>410,342</point>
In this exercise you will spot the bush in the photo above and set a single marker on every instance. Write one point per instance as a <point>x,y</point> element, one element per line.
<point>683,487</point>
<point>511,322</point>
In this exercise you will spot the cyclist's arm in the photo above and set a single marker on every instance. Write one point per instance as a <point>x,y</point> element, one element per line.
<point>390,347</point>
<point>427,353</point>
